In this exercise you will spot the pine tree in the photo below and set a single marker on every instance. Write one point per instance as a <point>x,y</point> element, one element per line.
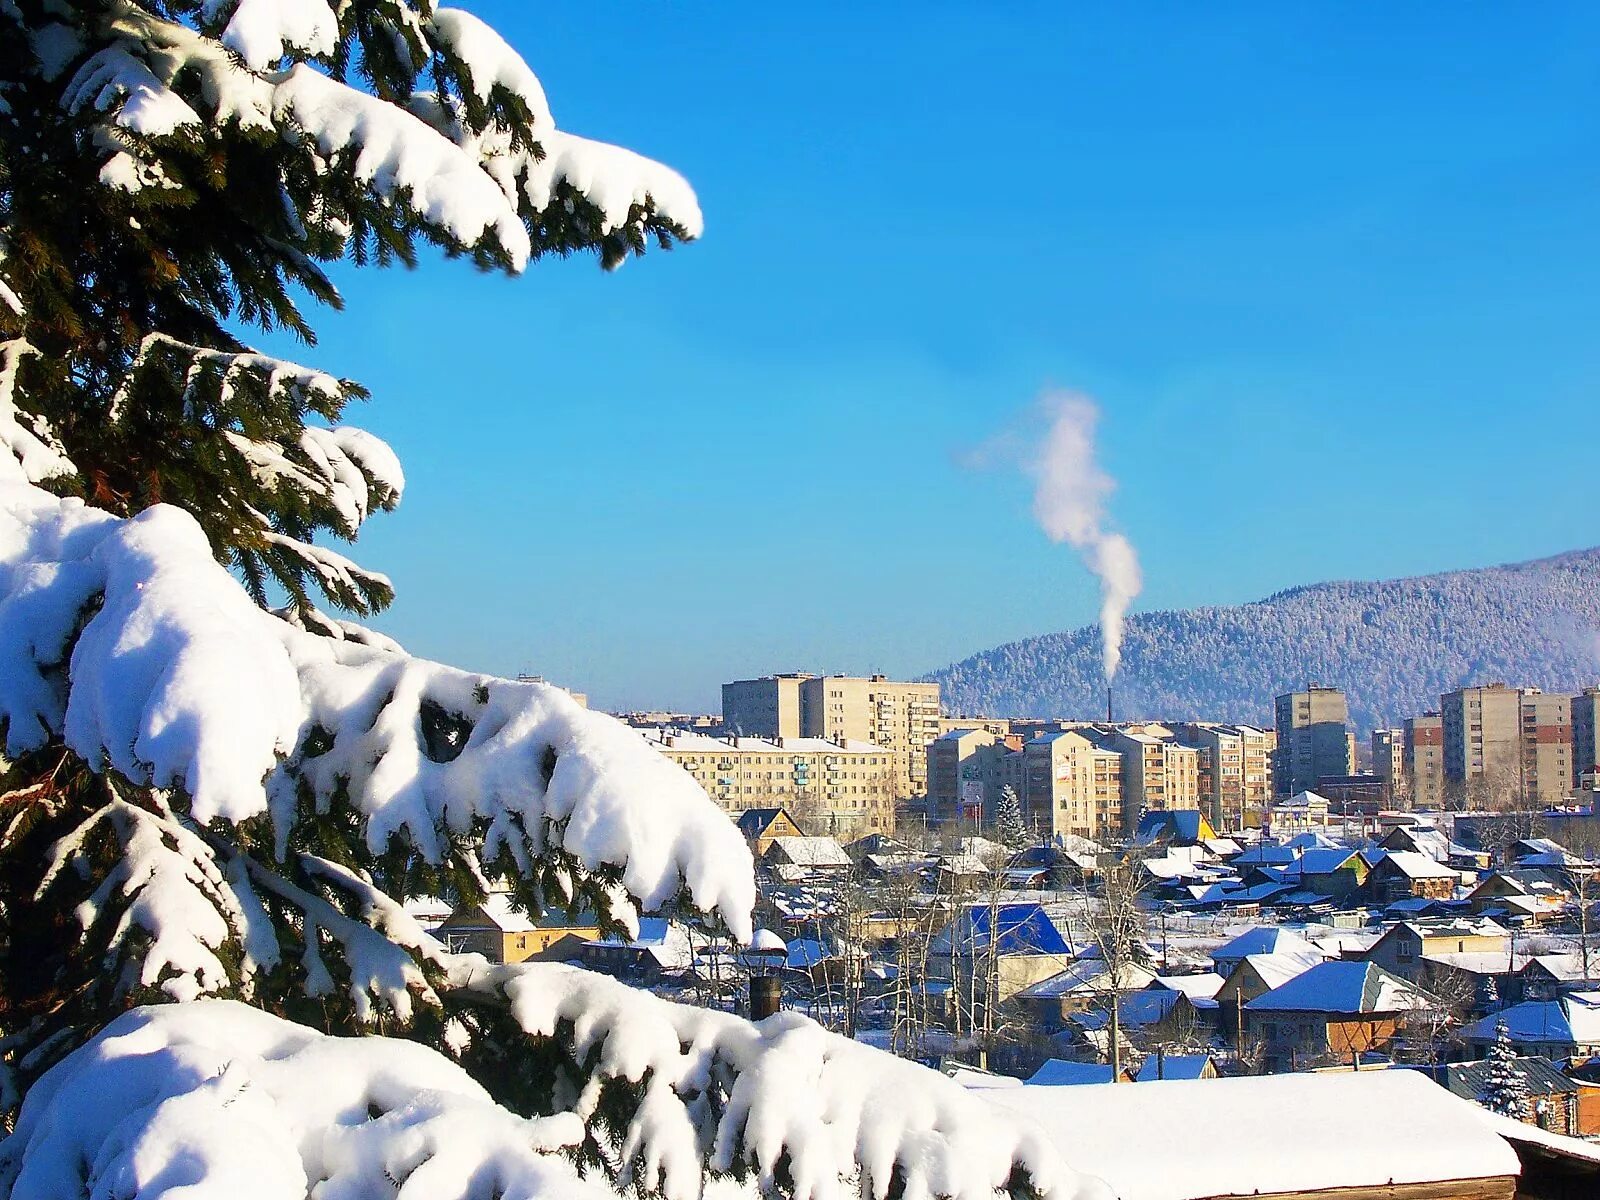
<point>1504,1090</point>
<point>1009,826</point>
<point>212,813</point>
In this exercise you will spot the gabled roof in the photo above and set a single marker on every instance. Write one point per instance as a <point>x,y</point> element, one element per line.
<point>1417,866</point>
<point>1173,1066</point>
<point>1573,1019</point>
<point>1342,988</point>
<point>1324,861</point>
<point>1017,929</point>
<point>1088,977</point>
<point>1196,987</point>
<point>809,852</point>
<point>753,822</point>
<point>1058,1072</point>
<point>1469,1079</point>
<point>1186,825</point>
<point>1264,940</point>
<point>1275,970</point>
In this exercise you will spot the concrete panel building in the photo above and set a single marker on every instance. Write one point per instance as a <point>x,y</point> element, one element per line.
<point>1158,774</point>
<point>1422,764</point>
<point>1585,721</point>
<point>903,718</point>
<point>1505,746</point>
<point>1072,786</point>
<point>835,788</point>
<point>1314,739</point>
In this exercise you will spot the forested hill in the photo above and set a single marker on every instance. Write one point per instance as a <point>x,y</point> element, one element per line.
<point>1393,646</point>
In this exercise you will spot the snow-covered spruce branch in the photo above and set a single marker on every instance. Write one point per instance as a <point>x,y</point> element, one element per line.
<point>225,1097</point>
<point>503,174</point>
<point>125,639</point>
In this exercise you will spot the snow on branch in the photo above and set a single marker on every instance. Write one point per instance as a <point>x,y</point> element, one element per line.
<point>783,1101</point>
<point>231,1100</point>
<point>126,639</point>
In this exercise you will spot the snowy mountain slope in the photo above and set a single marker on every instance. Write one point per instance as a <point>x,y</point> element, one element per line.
<point>1393,645</point>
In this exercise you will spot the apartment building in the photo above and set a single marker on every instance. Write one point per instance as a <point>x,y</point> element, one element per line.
<point>965,773</point>
<point>1314,739</point>
<point>903,718</point>
<point>844,787</point>
<point>1158,774</point>
<point>1422,762</point>
<point>1071,786</point>
<point>1585,721</point>
<point>1506,745</point>
<point>1233,771</point>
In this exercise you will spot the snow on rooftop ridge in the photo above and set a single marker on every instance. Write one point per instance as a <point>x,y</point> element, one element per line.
<point>178,680</point>
<point>1375,1129</point>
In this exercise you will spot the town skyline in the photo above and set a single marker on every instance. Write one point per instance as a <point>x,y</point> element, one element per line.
<point>1229,240</point>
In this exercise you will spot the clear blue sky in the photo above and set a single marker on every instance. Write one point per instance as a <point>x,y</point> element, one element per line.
<point>1330,269</point>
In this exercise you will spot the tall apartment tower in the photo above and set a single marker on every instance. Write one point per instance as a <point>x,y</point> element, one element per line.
<point>903,718</point>
<point>1506,745</point>
<point>1585,721</point>
<point>1388,761</point>
<point>1422,765</point>
<point>1314,738</point>
<point>1072,786</point>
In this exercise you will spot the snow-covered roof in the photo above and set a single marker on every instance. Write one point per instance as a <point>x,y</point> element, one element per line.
<point>1088,976</point>
<point>1342,988</point>
<point>809,851</point>
<point>1276,970</point>
<point>1172,1066</point>
<point>1373,1129</point>
<point>1419,866</point>
<point>688,739</point>
<point>1572,1019</point>
<point>1012,929</point>
<point>1196,987</point>
<point>1058,1072</point>
<point>1263,940</point>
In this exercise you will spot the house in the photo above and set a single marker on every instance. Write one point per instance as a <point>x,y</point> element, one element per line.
<point>1407,873</point>
<point>1566,1027</point>
<point>1417,839</point>
<point>1058,1072</point>
<point>801,857</point>
<point>1368,1135</point>
<point>1403,947</point>
<point>1159,1066</point>
<point>661,950</point>
<point>1302,812</point>
<point>1546,976</point>
<point>1174,827</point>
<point>1000,947</point>
<point>1517,896</point>
<point>1204,986</point>
<point>1329,873</point>
<point>503,933</point>
<point>1552,1096</point>
<point>1337,1012</point>
<point>761,825</point>
<point>1256,975</point>
<point>1084,984</point>
<point>1263,940</point>
<point>1157,1015</point>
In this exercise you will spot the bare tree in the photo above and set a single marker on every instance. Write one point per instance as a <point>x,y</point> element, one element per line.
<point>1116,921</point>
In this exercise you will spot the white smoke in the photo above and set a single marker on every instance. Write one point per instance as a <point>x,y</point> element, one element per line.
<point>1069,502</point>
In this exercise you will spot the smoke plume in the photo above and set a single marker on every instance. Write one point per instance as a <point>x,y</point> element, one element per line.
<point>1069,502</point>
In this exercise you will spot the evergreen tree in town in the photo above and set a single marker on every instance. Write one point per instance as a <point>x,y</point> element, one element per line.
<point>1505,1089</point>
<point>1009,827</point>
<point>212,813</point>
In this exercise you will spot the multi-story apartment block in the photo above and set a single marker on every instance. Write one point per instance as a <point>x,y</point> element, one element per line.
<point>1389,761</point>
<point>1585,721</point>
<point>1158,774</point>
<point>1314,739</point>
<point>1546,747</point>
<point>843,787</point>
<point>1071,786</point>
<point>1219,773</point>
<point>962,774</point>
<point>1506,745</point>
<point>1422,764</point>
<point>903,718</point>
